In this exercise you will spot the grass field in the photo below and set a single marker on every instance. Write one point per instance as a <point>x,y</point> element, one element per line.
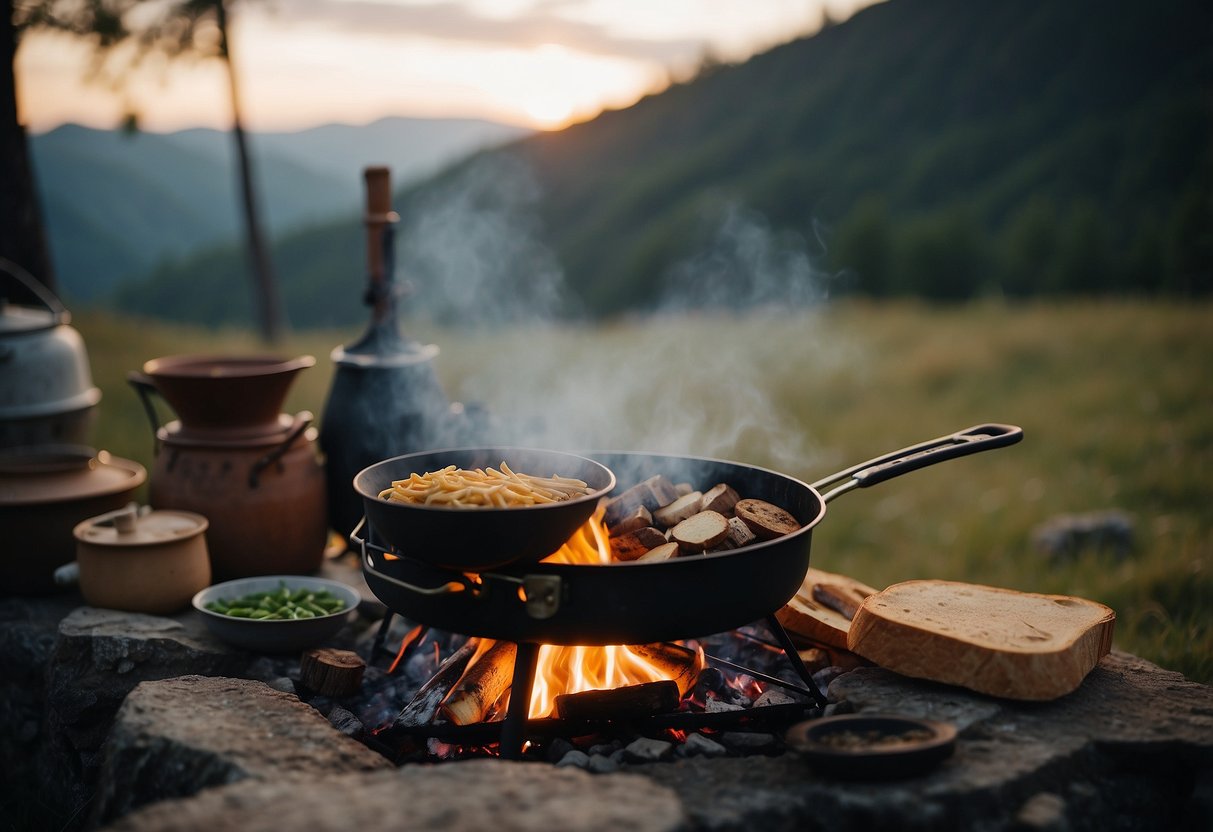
<point>1115,399</point>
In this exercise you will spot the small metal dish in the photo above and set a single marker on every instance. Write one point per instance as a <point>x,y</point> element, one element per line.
<point>274,636</point>
<point>872,746</point>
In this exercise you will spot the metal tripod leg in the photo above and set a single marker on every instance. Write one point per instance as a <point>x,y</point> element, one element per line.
<point>789,649</point>
<point>513,730</point>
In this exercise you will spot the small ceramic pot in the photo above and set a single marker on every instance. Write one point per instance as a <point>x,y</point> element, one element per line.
<point>44,493</point>
<point>142,561</point>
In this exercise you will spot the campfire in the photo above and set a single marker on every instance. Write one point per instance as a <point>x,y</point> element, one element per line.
<point>671,688</point>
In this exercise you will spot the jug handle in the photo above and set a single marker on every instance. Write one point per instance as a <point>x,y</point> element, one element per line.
<point>300,424</point>
<point>144,387</point>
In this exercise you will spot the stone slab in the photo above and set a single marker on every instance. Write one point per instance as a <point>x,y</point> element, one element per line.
<point>175,737</point>
<point>470,796</point>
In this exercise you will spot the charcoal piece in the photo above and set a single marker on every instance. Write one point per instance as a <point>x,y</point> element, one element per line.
<point>697,745</point>
<point>774,696</point>
<point>709,682</point>
<point>345,722</point>
<point>720,706</point>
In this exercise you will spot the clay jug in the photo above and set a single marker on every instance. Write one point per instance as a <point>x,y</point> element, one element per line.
<point>259,482</point>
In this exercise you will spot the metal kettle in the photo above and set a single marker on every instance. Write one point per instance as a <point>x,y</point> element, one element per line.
<point>47,394</point>
<point>385,399</point>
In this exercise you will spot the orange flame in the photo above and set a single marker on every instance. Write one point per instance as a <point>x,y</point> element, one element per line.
<point>576,669</point>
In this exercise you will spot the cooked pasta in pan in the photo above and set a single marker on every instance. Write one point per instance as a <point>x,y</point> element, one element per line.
<point>483,488</point>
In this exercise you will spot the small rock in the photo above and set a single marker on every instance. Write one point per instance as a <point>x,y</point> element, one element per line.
<point>283,683</point>
<point>556,749</point>
<point>575,758</point>
<point>823,677</point>
<point>838,709</point>
<point>645,750</point>
<point>748,742</point>
<point>606,749</point>
<point>1043,812</point>
<point>718,706</point>
<point>600,764</point>
<point>697,745</point>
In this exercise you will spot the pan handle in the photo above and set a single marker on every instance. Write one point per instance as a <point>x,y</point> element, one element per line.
<point>962,443</point>
<point>368,563</point>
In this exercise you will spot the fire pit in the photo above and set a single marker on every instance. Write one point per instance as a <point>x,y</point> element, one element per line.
<point>578,598</point>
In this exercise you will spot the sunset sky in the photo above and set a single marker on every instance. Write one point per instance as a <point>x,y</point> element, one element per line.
<point>538,63</point>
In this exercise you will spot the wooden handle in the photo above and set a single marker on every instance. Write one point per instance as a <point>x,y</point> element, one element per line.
<point>378,206</point>
<point>378,190</point>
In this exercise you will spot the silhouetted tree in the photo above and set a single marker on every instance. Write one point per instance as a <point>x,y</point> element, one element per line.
<point>172,28</point>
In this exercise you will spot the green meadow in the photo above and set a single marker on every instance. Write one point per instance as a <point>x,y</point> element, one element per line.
<point>1115,399</point>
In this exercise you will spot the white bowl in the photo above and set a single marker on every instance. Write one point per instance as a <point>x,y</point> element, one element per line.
<point>274,635</point>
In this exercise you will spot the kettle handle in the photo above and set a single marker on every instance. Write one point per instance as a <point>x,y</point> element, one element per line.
<point>37,289</point>
<point>142,383</point>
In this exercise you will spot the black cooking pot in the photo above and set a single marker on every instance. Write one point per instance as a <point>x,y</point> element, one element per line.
<point>637,602</point>
<point>480,538</point>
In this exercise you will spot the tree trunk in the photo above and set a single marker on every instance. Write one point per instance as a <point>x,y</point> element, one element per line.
<point>22,238</point>
<point>269,307</point>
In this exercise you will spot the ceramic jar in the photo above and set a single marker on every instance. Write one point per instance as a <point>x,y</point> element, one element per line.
<point>257,479</point>
<point>142,561</point>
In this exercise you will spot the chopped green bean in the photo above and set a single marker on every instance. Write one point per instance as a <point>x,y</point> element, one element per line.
<point>280,604</point>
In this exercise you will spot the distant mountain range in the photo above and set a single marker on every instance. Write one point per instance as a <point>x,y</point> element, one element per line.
<point>943,149</point>
<point>119,204</point>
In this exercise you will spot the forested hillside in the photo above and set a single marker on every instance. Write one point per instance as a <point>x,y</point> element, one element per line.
<point>118,203</point>
<point>939,148</point>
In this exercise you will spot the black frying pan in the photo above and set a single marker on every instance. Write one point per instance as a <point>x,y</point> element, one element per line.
<point>638,603</point>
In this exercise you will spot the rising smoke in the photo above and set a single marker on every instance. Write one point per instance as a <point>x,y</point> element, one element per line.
<point>684,379</point>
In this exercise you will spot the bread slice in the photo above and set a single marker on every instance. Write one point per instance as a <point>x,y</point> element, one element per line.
<point>1017,645</point>
<point>813,615</point>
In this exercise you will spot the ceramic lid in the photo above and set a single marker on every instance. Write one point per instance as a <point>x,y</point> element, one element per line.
<point>133,526</point>
<point>60,473</point>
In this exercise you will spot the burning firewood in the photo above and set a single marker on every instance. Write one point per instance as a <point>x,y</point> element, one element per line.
<point>632,545</point>
<point>681,665</point>
<point>331,672</point>
<point>700,532</point>
<point>625,702</point>
<point>421,710</point>
<point>486,679</point>
<point>638,519</point>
